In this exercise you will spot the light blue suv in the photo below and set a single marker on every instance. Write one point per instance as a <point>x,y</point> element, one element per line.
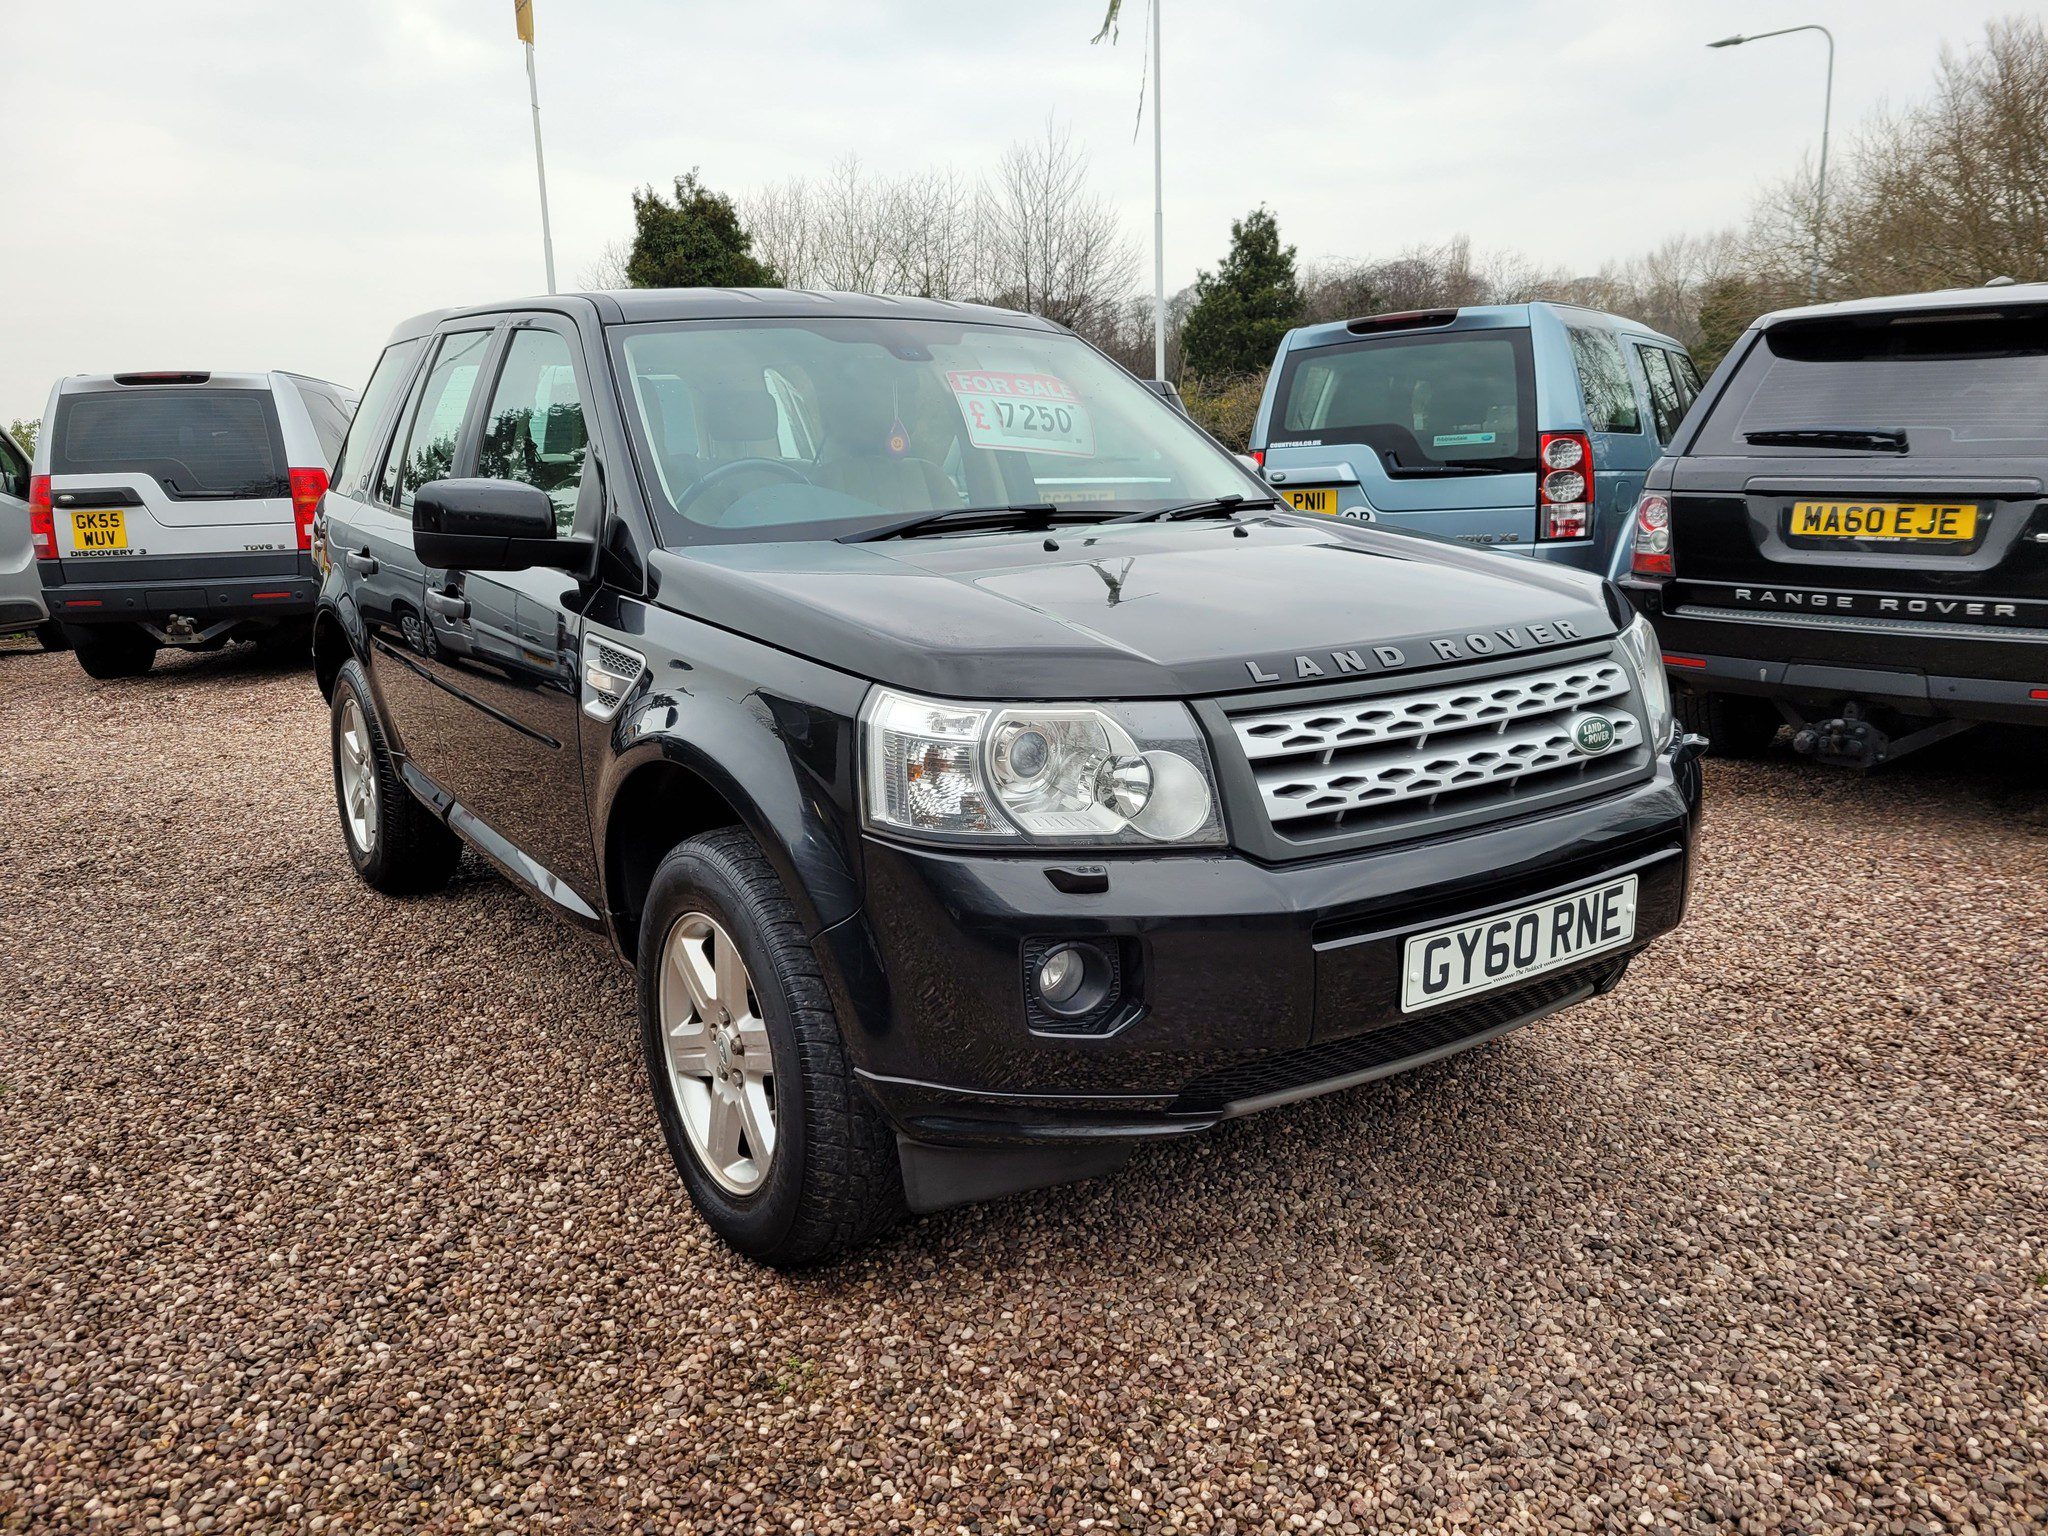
<point>1523,427</point>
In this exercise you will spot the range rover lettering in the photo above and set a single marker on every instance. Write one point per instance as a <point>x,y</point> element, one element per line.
<point>982,773</point>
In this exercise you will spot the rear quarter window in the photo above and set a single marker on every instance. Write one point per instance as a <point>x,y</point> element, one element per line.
<point>1959,385</point>
<point>197,444</point>
<point>1604,382</point>
<point>329,415</point>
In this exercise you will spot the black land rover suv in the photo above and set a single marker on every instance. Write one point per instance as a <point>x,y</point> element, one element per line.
<point>1850,534</point>
<point>982,774</point>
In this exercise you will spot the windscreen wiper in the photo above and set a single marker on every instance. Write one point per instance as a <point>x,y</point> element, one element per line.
<point>1883,439</point>
<point>1396,467</point>
<point>1034,515</point>
<point>1212,506</point>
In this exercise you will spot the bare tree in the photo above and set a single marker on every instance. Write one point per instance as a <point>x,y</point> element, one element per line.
<point>1051,246</point>
<point>1949,192</point>
<point>608,269</point>
<point>1030,235</point>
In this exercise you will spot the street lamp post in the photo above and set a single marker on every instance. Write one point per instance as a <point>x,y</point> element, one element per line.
<point>1158,214</point>
<point>1827,108</point>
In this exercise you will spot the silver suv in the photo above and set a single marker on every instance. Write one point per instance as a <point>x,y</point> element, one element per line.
<point>177,509</point>
<point>21,590</point>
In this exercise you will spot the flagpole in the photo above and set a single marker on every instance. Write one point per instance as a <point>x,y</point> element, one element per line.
<point>1158,215</point>
<point>547,238</point>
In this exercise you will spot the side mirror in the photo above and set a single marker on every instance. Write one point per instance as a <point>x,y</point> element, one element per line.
<point>488,525</point>
<point>1165,391</point>
<point>1251,464</point>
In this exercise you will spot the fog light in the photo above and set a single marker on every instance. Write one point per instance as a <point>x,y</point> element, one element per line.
<point>1060,975</point>
<point>1073,980</point>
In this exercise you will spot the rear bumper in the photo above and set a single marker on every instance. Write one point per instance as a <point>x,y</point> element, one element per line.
<point>19,611</point>
<point>213,592</point>
<point>1924,668</point>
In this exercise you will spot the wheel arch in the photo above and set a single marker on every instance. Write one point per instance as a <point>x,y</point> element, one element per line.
<point>667,791</point>
<point>331,651</point>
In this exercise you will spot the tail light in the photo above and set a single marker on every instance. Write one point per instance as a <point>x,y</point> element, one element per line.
<point>1258,457</point>
<point>42,522</point>
<point>1564,486</point>
<point>1652,524</point>
<point>308,486</point>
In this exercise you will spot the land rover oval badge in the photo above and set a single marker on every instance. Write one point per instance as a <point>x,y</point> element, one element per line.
<point>1592,734</point>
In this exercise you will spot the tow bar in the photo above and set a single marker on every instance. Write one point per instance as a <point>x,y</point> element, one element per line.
<point>1851,740</point>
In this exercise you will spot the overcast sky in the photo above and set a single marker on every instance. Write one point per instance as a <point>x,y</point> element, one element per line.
<point>259,184</point>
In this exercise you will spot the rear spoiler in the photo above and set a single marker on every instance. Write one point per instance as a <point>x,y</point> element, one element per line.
<point>1400,320</point>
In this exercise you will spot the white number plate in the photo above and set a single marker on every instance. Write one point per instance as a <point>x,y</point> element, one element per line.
<point>1449,963</point>
<point>1022,412</point>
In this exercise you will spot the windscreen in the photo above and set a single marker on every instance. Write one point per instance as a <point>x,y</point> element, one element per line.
<point>793,429</point>
<point>1446,397</point>
<point>1952,385</point>
<point>198,444</point>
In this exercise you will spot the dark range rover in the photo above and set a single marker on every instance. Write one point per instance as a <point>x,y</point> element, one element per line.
<point>983,776</point>
<point>1850,534</point>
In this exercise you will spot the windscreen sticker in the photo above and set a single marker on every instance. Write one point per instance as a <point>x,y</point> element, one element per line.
<point>1022,412</point>
<point>1460,439</point>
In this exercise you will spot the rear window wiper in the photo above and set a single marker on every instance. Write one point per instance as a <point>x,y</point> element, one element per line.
<point>1883,439</point>
<point>1032,515</point>
<point>1396,467</point>
<point>1211,506</point>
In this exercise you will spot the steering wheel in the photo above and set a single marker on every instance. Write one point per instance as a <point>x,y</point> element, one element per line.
<point>774,467</point>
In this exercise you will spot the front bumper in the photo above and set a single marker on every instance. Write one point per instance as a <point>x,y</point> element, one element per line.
<point>1257,983</point>
<point>1933,669</point>
<point>183,599</point>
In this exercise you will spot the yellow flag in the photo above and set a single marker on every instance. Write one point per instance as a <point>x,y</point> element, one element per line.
<point>522,11</point>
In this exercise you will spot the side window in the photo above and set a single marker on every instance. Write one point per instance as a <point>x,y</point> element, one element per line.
<point>1688,377</point>
<point>1665,404</point>
<point>13,472</point>
<point>1603,380</point>
<point>535,432</point>
<point>352,463</point>
<point>444,406</point>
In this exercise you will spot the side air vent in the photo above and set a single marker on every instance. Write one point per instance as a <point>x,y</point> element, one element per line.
<point>610,673</point>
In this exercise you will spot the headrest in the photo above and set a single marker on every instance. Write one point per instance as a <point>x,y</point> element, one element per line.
<point>741,415</point>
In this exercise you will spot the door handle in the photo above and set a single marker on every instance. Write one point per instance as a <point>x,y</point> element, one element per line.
<point>447,605</point>
<point>360,562</point>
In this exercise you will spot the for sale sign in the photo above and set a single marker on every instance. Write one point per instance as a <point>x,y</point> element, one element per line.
<point>1022,412</point>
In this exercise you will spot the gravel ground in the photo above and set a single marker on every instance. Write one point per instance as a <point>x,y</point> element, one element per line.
<point>329,1212</point>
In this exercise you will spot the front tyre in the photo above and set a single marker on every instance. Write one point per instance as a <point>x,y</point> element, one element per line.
<point>785,1156</point>
<point>397,845</point>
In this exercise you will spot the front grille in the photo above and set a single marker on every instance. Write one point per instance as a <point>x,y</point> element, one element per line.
<point>1284,1071</point>
<point>1352,764</point>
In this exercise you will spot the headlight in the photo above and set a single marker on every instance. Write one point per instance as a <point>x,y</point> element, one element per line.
<point>1055,773</point>
<point>1646,658</point>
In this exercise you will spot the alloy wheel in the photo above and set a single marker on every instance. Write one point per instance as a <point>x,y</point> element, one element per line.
<point>358,776</point>
<point>721,1076</point>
